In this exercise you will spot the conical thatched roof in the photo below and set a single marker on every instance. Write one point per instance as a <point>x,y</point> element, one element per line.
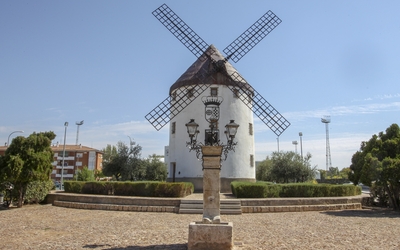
<point>201,69</point>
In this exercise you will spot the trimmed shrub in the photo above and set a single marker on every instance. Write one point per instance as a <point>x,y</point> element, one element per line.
<point>254,189</point>
<point>138,188</point>
<point>266,190</point>
<point>36,191</point>
<point>73,186</point>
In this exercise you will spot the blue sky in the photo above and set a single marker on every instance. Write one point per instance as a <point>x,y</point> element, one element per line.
<point>110,62</point>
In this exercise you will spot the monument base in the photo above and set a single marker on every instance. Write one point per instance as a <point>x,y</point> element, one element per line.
<point>210,236</point>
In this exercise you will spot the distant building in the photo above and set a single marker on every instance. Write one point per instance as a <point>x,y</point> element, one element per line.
<point>76,157</point>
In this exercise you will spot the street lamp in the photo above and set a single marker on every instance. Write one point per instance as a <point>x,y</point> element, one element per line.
<point>8,141</point>
<point>62,167</point>
<point>301,144</point>
<point>231,130</point>
<point>192,127</point>
<point>212,135</point>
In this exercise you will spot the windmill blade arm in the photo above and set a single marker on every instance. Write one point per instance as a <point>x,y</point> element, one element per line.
<point>160,115</point>
<point>252,36</point>
<point>261,107</point>
<point>181,30</point>
<point>177,101</point>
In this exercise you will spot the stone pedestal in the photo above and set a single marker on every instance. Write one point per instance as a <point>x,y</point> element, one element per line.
<point>211,176</point>
<point>211,233</point>
<point>210,236</point>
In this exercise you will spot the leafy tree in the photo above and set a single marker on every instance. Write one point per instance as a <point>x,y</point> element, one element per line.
<point>109,153</point>
<point>85,174</point>
<point>334,172</point>
<point>285,167</point>
<point>263,170</point>
<point>27,160</point>
<point>126,164</point>
<point>378,163</point>
<point>155,169</point>
<point>344,173</point>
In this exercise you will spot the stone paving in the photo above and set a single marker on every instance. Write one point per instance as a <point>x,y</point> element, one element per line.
<point>50,227</point>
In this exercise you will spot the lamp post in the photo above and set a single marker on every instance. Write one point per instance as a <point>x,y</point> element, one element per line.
<point>8,141</point>
<point>210,153</point>
<point>277,141</point>
<point>77,130</point>
<point>301,144</point>
<point>295,146</point>
<point>62,167</point>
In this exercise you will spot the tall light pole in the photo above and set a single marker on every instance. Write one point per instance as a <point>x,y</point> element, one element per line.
<point>295,146</point>
<point>8,141</point>
<point>277,140</point>
<point>301,144</point>
<point>62,167</point>
<point>327,120</point>
<point>77,130</point>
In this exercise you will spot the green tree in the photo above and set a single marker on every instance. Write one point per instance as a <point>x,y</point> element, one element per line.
<point>334,172</point>
<point>378,163</point>
<point>344,173</point>
<point>27,160</point>
<point>84,174</point>
<point>109,153</point>
<point>155,169</point>
<point>290,167</point>
<point>126,164</point>
<point>263,170</point>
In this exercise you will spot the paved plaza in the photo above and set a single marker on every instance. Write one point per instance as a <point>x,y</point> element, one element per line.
<point>49,227</point>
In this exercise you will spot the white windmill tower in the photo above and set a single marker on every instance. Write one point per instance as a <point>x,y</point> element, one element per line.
<point>211,75</point>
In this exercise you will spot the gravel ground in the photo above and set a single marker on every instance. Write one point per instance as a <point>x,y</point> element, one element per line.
<point>49,227</point>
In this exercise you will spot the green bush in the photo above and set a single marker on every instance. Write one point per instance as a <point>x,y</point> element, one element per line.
<point>36,191</point>
<point>73,186</point>
<point>255,189</point>
<point>266,190</point>
<point>138,188</point>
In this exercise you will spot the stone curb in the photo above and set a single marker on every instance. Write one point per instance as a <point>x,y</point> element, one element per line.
<point>116,207</point>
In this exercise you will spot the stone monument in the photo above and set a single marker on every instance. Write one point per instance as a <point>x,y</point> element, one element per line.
<point>210,233</point>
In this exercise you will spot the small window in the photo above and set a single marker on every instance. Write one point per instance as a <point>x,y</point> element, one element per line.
<point>173,96</point>
<point>214,92</point>
<point>251,160</point>
<point>251,128</point>
<point>173,128</point>
<point>190,93</point>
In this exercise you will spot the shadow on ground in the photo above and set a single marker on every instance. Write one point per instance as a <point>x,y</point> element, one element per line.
<point>167,247</point>
<point>372,213</point>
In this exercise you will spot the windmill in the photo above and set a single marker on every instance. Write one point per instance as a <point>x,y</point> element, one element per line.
<point>212,69</point>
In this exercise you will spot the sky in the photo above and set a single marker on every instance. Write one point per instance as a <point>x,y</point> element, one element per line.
<point>109,63</point>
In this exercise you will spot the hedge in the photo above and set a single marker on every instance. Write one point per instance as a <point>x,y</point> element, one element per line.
<point>137,188</point>
<point>268,190</point>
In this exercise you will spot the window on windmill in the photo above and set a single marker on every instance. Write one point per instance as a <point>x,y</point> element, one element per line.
<point>214,92</point>
<point>173,96</point>
<point>190,93</point>
<point>251,128</point>
<point>173,128</point>
<point>251,160</point>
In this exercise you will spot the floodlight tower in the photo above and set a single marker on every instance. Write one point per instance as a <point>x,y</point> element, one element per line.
<point>77,131</point>
<point>327,120</point>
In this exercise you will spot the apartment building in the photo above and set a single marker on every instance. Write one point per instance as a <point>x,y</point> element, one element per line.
<point>76,157</point>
